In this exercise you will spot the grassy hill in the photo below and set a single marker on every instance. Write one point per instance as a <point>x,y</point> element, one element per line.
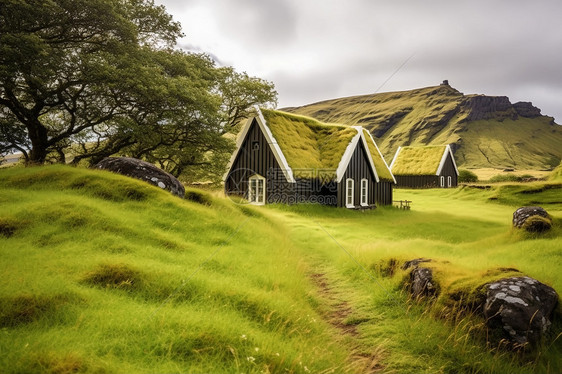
<point>102,273</point>
<point>485,131</point>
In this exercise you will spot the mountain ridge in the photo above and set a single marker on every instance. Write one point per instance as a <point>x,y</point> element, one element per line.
<point>484,131</point>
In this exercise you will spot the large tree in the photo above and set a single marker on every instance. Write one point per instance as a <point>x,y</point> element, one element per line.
<point>91,78</point>
<point>58,58</point>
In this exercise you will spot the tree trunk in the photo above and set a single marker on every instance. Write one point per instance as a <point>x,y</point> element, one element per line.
<point>39,143</point>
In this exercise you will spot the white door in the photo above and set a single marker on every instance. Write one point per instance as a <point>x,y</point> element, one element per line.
<point>256,193</point>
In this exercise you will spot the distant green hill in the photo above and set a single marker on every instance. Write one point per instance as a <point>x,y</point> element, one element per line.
<point>485,131</point>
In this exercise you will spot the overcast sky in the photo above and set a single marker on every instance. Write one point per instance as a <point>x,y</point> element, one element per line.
<point>314,50</point>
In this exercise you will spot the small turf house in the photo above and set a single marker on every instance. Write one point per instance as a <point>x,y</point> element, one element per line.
<point>425,167</point>
<point>285,158</point>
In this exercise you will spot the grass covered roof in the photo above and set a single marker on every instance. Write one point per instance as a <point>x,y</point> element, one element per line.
<point>307,143</point>
<point>382,169</point>
<point>418,160</point>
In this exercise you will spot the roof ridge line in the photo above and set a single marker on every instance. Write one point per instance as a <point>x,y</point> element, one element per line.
<point>346,157</point>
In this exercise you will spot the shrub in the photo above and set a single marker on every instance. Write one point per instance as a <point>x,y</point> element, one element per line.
<point>512,178</point>
<point>505,178</point>
<point>466,176</point>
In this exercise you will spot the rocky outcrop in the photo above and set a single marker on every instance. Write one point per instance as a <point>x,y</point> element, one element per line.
<point>421,281</point>
<point>527,109</point>
<point>532,219</point>
<point>521,308</point>
<point>144,171</point>
<point>480,107</point>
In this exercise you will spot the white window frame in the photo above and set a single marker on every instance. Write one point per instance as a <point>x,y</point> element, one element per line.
<point>349,197</point>
<point>253,197</point>
<point>442,181</point>
<point>364,192</point>
<point>449,181</point>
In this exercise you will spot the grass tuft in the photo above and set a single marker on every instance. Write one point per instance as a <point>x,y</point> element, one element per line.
<point>9,226</point>
<point>118,276</point>
<point>27,308</point>
<point>198,197</point>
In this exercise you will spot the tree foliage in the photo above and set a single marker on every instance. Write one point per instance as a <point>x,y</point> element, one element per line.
<point>92,78</point>
<point>466,176</point>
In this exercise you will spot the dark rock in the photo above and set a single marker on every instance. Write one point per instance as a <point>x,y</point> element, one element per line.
<point>421,282</point>
<point>144,171</point>
<point>520,308</point>
<point>532,219</point>
<point>527,109</point>
<point>414,263</point>
<point>481,107</point>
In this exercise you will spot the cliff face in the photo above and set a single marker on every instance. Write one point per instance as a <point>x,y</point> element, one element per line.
<point>480,107</point>
<point>485,131</point>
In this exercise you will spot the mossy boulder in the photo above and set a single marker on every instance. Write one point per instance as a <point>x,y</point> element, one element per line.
<point>532,219</point>
<point>519,309</point>
<point>144,171</point>
<point>421,281</point>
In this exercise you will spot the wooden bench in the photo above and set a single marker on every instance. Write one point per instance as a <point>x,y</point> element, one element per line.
<point>403,204</point>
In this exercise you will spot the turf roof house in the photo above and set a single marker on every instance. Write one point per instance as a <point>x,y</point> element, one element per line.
<point>425,167</point>
<point>285,158</point>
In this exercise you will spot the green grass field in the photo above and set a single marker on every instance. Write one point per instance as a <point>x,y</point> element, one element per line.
<point>102,273</point>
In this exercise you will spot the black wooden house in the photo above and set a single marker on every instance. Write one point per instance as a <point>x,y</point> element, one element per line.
<point>286,158</point>
<point>425,167</point>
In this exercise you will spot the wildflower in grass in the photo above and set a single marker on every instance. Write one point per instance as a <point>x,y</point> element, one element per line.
<point>306,369</point>
<point>243,337</point>
<point>250,359</point>
<point>257,349</point>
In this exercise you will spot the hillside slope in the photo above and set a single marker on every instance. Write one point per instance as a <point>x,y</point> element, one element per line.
<point>103,273</point>
<point>484,131</point>
<point>106,274</point>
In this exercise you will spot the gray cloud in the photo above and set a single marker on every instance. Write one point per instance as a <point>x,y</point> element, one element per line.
<point>320,49</point>
<point>261,23</point>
